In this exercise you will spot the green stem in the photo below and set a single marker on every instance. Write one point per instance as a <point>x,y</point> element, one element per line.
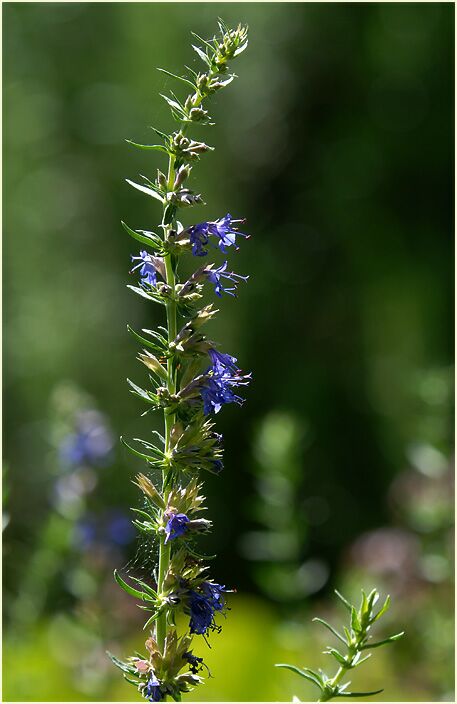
<point>169,419</point>
<point>333,682</point>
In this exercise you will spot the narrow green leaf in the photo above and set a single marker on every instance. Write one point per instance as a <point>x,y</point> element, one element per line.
<point>358,694</point>
<point>146,587</point>
<point>311,677</point>
<point>144,341</point>
<point>144,239</point>
<point>174,104</point>
<point>373,597</point>
<point>202,55</point>
<point>178,78</point>
<point>145,189</point>
<point>142,455</point>
<point>144,527</point>
<point>149,446</point>
<point>138,391</point>
<point>191,71</point>
<point>338,657</point>
<point>144,514</point>
<point>382,610</point>
<point>203,41</point>
<point>391,639</point>
<point>156,147</point>
<point>364,604</point>
<point>121,665</point>
<point>157,335</point>
<point>141,292</point>
<point>130,681</point>
<point>150,620</point>
<point>161,134</point>
<point>330,628</point>
<point>161,438</point>
<point>345,601</point>
<point>127,588</point>
<point>359,662</point>
<point>355,622</point>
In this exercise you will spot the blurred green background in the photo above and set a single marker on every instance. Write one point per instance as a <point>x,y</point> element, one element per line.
<point>336,144</point>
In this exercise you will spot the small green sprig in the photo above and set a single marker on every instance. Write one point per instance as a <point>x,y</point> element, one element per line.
<point>356,640</point>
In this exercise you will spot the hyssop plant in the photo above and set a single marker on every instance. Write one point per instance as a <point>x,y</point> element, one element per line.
<point>190,380</point>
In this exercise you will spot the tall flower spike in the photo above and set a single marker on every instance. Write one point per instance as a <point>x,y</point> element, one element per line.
<point>185,389</point>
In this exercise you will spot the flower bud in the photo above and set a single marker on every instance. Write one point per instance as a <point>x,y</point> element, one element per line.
<point>203,316</point>
<point>183,173</point>
<point>161,180</point>
<point>153,364</point>
<point>147,487</point>
<point>198,114</point>
<point>184,198</point>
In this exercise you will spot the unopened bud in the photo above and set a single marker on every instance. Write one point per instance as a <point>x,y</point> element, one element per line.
<point>181,176</point>
<point>161,179</point>
<point>147,487</point>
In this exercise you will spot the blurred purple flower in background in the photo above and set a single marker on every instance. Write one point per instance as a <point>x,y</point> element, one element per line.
<point>91,444</point>
<point>111,529</point>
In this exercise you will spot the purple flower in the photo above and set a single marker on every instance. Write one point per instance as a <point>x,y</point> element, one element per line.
<point>218,466</point>
<point>220,380</point>
<point>198,235</point>
<point>215,276</point>
<point>213,593</point>
<point>222,229</point>
<point>223,362</point>
<point>203,605</point>
<point>148,271</point>
<point>176,526</point>
<point>195,663</point>
<point>152,689</point>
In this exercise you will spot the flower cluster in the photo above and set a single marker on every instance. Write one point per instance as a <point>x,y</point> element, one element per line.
<point>190,382</point>
<point>221,378</point>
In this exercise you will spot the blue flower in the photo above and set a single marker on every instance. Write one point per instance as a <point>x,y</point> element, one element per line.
<point>213,593</point>
<point>195,663</point>
<point>223,362</point>
<point>218,466</point>
<point>220,380</point>
<point>198,235</point>
<point>215,276</point>
<point>152,689</point>
<point>222,229</point>
<point>176,526</point>
<point>203,606</point>
<point>148,271</point>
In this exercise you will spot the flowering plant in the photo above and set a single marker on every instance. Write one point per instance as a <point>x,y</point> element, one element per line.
<point>190,381</point>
